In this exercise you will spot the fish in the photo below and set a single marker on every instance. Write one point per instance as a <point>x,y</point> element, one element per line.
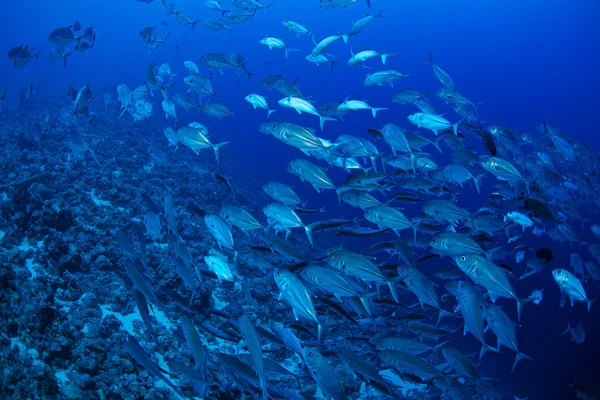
<point>504,329</point>
<point>410,364</point>
<point>301,105</point>
<point>136,351</point>
<point>297,296</point>
<point>454,244</point>
<point>571,286</point>
<point>359,266</point>
<point>433,122</point>
<point>253,344</point>
<point>382,78</point>
<point>194,136</point>
<point>218,264</point>
<point>407,95</point>
<point>422,287</point>
<point>322,373</point>
<point>215,5</point>
<point>328,4</point>
<point>296,28</point>
<point>239,16</point>
<point>282,193</point>
<point>362,367</point>
<point>441,74</point>
<point>354,105</point>
<point>389,218</point>
<point>276,43</point>
<point>485,273</point>
<point>361,24</point>
<point>388,341</point>
<point>365,55</point>
<point>321,59</point>
<point>220,231</point>
<point>259,101</point>
<point>322,46</point>
<point>316,176</point>
<point>239,217</point>
<point>328,281</point>
<point>459,362</point>
<point>216,24</point>
<point>577,333</point>
<point>469,300</point>
<point>283,216</point>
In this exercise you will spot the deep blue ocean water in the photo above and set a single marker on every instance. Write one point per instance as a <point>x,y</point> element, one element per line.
<point>525,61</point>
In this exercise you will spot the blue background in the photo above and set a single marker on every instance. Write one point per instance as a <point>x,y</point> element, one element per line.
<point>526,61</point>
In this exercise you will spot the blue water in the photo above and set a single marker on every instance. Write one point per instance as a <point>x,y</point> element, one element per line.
<point>525,61</point>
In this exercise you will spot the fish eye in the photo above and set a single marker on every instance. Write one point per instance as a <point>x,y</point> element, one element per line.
<point>463,258</point>
<point>310,354</point>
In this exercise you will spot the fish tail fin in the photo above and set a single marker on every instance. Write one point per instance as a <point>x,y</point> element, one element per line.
<point>442,314</point>
<point>375,109</point>
<point>338,192</point>
<point>65,59</point>
<point>93,153</point>
<point>385,56</point>
<point>441,345</point>
<point>164,88</point>
<point>415,225</point>
<point>223,12</point>
<point>567,330</point>
<point>345,38</point>
<point>393,290</point>
<point>476,180</point>
<point>217,147</point>
<point>520,356</point>
<point>323,119</point>
<point>269,112</point>
<point>520,303</point>
<point>366,301</point>
<point>485,347</point>
<point>528,183</point>
<point>308,229</point>
<point>590,302</point>
<point>456,125</point>
<point>288,50</point>
<point>436,143</point>
<point>490,253</point>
